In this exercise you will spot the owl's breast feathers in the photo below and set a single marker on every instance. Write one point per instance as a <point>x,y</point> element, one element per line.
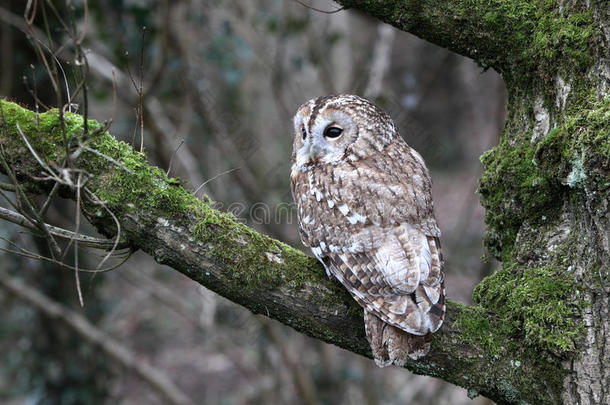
<point>372,225</point>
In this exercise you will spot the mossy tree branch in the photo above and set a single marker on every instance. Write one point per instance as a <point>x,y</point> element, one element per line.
<point>518,38</point>
<point>474,348</point>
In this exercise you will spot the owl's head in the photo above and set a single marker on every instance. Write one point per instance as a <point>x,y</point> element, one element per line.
<point>334,129</point>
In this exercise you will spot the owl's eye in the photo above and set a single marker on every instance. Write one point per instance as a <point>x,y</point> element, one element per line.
<point>333,132</point>
<point>304,133</point>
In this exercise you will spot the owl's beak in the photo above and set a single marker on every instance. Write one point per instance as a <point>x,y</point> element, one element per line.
<point>314,153</point>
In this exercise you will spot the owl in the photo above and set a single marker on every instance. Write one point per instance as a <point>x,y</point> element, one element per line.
<point>365,209</point>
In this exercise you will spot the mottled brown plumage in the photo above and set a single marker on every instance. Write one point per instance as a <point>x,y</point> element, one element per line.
<point>366,211</point>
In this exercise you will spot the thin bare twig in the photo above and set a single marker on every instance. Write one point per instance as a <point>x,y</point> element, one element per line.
<point>113,161</point>
<point>47,202</point>
<point>169,167</point>
<point>76,230</point>
<point>111,120</point>
<point>319,10</point>
<point>88,241</point>
<point>140,92</point>
<point>33,255</point>
<point>32,151</point>
<point>58,15</point>
<point>77,215</point>
<point>7,186</point>
<point>165,132</point>
<point>95,200</point>
<point>10,201</point>
<point>32,91</point>
<point>31,10</point>
<point>214,178</point>
<point>37,47</point>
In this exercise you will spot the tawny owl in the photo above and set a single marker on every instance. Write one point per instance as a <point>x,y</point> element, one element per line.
<point>365,210</point>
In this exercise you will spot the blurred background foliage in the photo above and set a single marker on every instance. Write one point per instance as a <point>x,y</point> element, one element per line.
<point>221,81</point>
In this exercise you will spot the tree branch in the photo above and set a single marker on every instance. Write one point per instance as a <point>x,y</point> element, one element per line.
<point>480,29</point>
<point>523,38</point>
<point>473,349</point>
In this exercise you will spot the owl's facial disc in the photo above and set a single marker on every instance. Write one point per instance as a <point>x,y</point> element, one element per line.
<point>325,139</point>
<point>318,150</point>
<point>332,132</point>
<point>332,129</point>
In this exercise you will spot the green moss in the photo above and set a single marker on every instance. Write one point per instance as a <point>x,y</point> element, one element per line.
<point>262,261</point>
<point>527,182</point>
<point>582,142</point>
<point>526,40</point>
<point>478,328</point>
<point>129,183</point>
<point>520,370</point>
<point>32,129</point>
<point>538,36</point>
<point>560,42</point>
<point>537,304</point>
<point>133,182</point>
<point>515,189</point>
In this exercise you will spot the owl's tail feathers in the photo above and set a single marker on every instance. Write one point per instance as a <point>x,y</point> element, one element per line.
<point>391,345</point>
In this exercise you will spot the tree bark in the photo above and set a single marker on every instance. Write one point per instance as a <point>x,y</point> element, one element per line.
<point>539,332</point>
<point>546,186</point>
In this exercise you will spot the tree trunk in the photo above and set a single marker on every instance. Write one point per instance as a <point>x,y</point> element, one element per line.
<point>539,332</point>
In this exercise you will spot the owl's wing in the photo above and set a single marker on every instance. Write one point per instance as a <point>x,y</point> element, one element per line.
<point>400,281</point>
<point>371,223</point>
<point>385,190</point>
<point>381,191</point>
